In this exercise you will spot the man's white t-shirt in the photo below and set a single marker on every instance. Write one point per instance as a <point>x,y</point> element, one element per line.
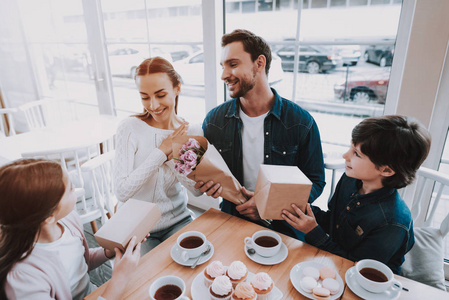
<point>71,254</point>
<point>252,147</point>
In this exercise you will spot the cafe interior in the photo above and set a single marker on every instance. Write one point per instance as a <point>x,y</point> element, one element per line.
<point>67,82</point>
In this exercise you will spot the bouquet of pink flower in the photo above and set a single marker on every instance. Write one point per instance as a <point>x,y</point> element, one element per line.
<point>200,161</point>
<point>190,155</point>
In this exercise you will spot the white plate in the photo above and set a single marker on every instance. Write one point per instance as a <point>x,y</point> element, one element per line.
<point>296,275</point>
<point>199,290</point>
<point>268,261</point>
<point>176,255</point>
<point>390,294</point>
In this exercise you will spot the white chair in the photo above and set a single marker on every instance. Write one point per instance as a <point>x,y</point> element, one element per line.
<point>97,173</point>
<point>71,160</point>
<point>7,122</point>
<point>334,165</point>
<point>425,261</point>
<point>48,112</point>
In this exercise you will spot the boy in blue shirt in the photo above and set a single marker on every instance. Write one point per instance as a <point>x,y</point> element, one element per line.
<point>367,218</point>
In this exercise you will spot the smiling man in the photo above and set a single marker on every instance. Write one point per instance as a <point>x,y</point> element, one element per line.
<point>257,126</point>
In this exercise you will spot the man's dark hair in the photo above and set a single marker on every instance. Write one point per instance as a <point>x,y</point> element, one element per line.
<point>253,44</point>
<point>394,141</point>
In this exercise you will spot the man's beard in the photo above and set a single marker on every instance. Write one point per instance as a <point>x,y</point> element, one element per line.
<point>246,85</point>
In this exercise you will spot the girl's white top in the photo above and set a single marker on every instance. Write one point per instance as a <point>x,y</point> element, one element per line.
<point>141,171</point>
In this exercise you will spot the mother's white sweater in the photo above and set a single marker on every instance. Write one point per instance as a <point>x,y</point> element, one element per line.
<point>141,171</point>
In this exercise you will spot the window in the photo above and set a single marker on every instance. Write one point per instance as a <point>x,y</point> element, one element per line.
<point>138,29</point>
<point>341,78</point>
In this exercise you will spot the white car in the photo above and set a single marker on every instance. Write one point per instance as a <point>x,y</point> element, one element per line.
<point>124,60</point>
<point>191,69</point>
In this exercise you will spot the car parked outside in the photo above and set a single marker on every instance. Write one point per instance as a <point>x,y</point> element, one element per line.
<point>364,87</point>
<point>350,54</point>
<point>381,55</point>
<point>191,69</point>
<point>124,60</point>
<point>312,59</point>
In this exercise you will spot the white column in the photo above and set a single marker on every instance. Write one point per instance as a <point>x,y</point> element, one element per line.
<point>213,30</point>
<point>93,17</point>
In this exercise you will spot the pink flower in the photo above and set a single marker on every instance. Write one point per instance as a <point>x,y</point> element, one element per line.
<point>192,143</point>
<point>189,156</point>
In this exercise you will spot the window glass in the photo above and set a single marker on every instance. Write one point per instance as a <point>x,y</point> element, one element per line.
<point>343,70</point>
<point>136,30</point>
<point>57,51</point>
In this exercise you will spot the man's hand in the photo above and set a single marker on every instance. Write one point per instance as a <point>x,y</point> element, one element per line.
<point>249,208</point>
<point>210,188</point>
<point>300,221</point>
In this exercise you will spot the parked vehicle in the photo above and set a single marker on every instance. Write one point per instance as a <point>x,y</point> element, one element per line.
<point>350,54</point>
<point>381,55</point>
<point>312,59</point>
<point>364,87</point>
<point>191,69</point>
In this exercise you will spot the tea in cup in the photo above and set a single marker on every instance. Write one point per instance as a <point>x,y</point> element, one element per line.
<point>374,276</point>
<point>266,243</point>
<point>167,288</point>
<point>191,244</point>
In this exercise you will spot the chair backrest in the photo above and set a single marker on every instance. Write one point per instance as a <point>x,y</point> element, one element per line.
<point>48,112</point>
<point>98,172</point>
<point>334,165</point>
<point>425,261</point>
<point>7,122</point>
<point>71,160</point>
<point>437,183</point>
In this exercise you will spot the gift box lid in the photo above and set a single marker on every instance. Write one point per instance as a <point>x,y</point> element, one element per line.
<point>284,174</point>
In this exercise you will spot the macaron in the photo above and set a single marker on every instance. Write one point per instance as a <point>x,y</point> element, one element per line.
<point>308,283</point>
<point>312,272</point>
<point>321,293</point>
<point>326,272</point>
<point>332,285</point>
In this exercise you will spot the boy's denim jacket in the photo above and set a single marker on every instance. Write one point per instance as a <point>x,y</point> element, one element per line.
<point>291,138</point>
<point>377,225</point>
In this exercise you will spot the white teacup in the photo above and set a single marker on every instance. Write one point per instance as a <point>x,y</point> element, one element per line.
<point>188,247</point>
<point>166,281</point>
<point>374,276</point>
<point>261,248</point>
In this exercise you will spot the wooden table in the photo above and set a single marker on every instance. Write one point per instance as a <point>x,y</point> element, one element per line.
<point>88,131</point>
<point>227,234</point>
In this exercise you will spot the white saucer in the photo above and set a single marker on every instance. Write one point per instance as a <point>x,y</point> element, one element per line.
<point>390,294</point>
<point>199,290</point>
<point>296,276</point>
<point>268,261</point>
<point>176,255</point>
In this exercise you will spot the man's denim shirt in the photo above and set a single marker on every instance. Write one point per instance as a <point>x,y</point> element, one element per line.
<point>291,138</point>
<point>377,225</point>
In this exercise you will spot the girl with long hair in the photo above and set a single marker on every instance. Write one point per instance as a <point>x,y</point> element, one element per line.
<point>43,250</point>
<point>143,168</point>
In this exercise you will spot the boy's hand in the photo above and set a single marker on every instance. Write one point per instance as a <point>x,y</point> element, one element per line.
<point>300,221</point>
<point>249,208</point>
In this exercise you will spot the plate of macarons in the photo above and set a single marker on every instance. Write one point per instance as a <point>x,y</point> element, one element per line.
<point>316,281</point>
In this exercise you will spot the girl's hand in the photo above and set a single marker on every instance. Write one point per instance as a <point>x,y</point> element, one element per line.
<point>166,145</point>
<point>109,253</point>
<point>300,221</point>
<point>124,265</point>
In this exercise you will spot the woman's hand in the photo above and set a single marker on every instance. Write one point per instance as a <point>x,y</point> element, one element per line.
<point>300,221</point>
<point>166,145</point>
